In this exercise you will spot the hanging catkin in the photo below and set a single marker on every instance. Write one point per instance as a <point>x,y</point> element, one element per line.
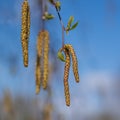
<point>39,70</point>
<point>25,31</point>
<point>40,41</point>
<point>66,76</point>
<point>45,59</point>
<point>74,61</point>
<point>38,74</point>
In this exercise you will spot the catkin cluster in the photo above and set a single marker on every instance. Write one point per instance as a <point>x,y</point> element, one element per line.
<point>42,58</point>
<point>25,31</point>
<point>42,62</point>
<point>69,53</point>
<point>74,61</point>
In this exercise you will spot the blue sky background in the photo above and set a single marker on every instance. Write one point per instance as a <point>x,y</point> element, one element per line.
<point>96,41</point>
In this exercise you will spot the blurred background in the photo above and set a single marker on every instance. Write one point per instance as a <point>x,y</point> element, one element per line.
<point>96,41</point>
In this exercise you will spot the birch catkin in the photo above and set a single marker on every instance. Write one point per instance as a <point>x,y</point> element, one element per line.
<point>74,61</point>
<point>39,70</point>
<point>66,75</point>
<point>40,41</point>
<point>45,59</point>
<point>25,31</point>
<point>38,74</point>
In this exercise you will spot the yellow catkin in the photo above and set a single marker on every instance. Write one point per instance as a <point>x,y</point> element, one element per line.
<point>45,59</point>
<point>38,60</point>
<point>40,41</point>
<point>74,61</point>
<point>25,31</point>
<point>38,74</point>
<point>66,76</point>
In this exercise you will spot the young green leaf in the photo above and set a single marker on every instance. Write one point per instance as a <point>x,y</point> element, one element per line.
<point>61,56</point>
<point>71,19</point>
<point>49,16</point>
<point>74,26</point>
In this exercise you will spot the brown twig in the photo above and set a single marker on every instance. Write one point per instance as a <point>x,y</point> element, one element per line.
<point>42,12</point>
<point>61,22</point>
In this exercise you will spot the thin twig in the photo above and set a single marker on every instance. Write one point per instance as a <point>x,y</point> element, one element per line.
<point>60,18</point>
<point>62,25</point>
<point>62,37</point>
<point>61,22</point>
<point>42,12</point>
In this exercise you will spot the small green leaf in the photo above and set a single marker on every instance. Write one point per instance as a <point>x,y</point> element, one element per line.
<point>61,56</point>
<point>58,5</point>
<point>74,26</point>
<point>49,16</point>
<point>71,19</point>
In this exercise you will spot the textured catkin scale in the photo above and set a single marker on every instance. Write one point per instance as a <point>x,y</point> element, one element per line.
<point>45,60</point>
<point>40,41</point>
<point>28,21</point>
<point>74,61</point>
<point>66,76</point>
<point>25,31</point>
<point>38,74</point>
<point>39,70</point>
